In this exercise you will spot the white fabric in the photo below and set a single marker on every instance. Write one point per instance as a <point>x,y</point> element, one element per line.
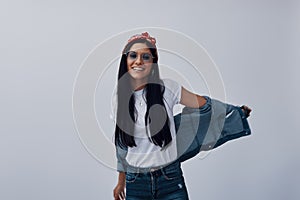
<point>147,154</point>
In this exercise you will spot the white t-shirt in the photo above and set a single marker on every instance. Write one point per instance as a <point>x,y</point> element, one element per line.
<point>146,154</point>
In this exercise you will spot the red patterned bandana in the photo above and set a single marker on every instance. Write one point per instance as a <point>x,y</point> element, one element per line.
<point>144,35</point>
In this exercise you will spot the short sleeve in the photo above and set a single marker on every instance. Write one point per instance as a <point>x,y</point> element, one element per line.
<point>172,91</point>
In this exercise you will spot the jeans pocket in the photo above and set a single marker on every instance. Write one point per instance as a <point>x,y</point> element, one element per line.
<point>172,172</point>
<point>131,177</point>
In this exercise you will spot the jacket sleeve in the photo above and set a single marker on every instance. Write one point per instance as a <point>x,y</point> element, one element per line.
<point>121,161</point>
<point>205,128</point>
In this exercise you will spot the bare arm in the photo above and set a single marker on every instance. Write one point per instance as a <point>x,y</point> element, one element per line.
<point>190,99</point>
<point>119,191</point>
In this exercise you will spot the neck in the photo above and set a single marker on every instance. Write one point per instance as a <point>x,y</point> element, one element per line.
<point>138,84</point>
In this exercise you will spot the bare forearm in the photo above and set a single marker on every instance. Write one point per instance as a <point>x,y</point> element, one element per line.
<point>200,101</point>
<point>191,100</point>
<point>121,179</point>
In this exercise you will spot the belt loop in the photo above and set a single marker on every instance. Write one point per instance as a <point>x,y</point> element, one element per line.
<point>161,169</point>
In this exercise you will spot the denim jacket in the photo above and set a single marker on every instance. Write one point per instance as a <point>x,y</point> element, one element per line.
<point>208,127</point>
<point>202,129</point>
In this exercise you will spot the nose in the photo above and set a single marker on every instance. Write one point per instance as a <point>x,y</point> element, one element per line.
<point>139,60</point>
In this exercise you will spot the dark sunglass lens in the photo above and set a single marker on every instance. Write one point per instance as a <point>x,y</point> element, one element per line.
<point>132,55</point>
<point>146,57</point>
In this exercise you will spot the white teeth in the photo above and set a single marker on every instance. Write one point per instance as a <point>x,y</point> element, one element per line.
<point>138,69</point>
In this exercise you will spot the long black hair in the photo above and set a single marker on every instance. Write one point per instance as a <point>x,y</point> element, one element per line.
<point>154,91</point>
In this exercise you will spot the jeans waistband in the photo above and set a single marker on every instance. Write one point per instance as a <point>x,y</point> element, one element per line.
<point>158,169</point>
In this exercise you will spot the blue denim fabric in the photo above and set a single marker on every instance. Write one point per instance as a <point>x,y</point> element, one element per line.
<point>166,183</point>
<point>202,129</point>
<point>208,127</point>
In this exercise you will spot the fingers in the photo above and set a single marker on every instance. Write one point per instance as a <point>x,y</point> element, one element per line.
<point>119,194</point>
<point>246,110</point>
<point>122,196</point>
<point>116,195</point>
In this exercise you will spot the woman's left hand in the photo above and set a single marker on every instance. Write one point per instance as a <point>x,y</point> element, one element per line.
<point>246,110</point>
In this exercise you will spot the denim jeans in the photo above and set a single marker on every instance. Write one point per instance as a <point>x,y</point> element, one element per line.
<point>166,183</point>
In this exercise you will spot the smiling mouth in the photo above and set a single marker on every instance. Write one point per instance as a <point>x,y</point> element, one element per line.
<point>138,69</point>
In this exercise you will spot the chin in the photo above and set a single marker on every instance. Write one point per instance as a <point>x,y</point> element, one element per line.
<point>138,76</point>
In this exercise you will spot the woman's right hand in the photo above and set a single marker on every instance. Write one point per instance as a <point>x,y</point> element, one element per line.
<point>119,192</point>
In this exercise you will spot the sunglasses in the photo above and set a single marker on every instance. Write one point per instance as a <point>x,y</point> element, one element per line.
<point>146,57</point>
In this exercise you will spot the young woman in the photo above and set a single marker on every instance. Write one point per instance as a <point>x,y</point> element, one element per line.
<point>145,127</point>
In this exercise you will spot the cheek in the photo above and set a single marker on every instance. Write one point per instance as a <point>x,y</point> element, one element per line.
<point>129,65</point>
<point>128,68</point>
<point>149,67</point>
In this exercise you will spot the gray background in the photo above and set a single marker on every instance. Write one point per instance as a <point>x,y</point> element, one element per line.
<point>255,45</point>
